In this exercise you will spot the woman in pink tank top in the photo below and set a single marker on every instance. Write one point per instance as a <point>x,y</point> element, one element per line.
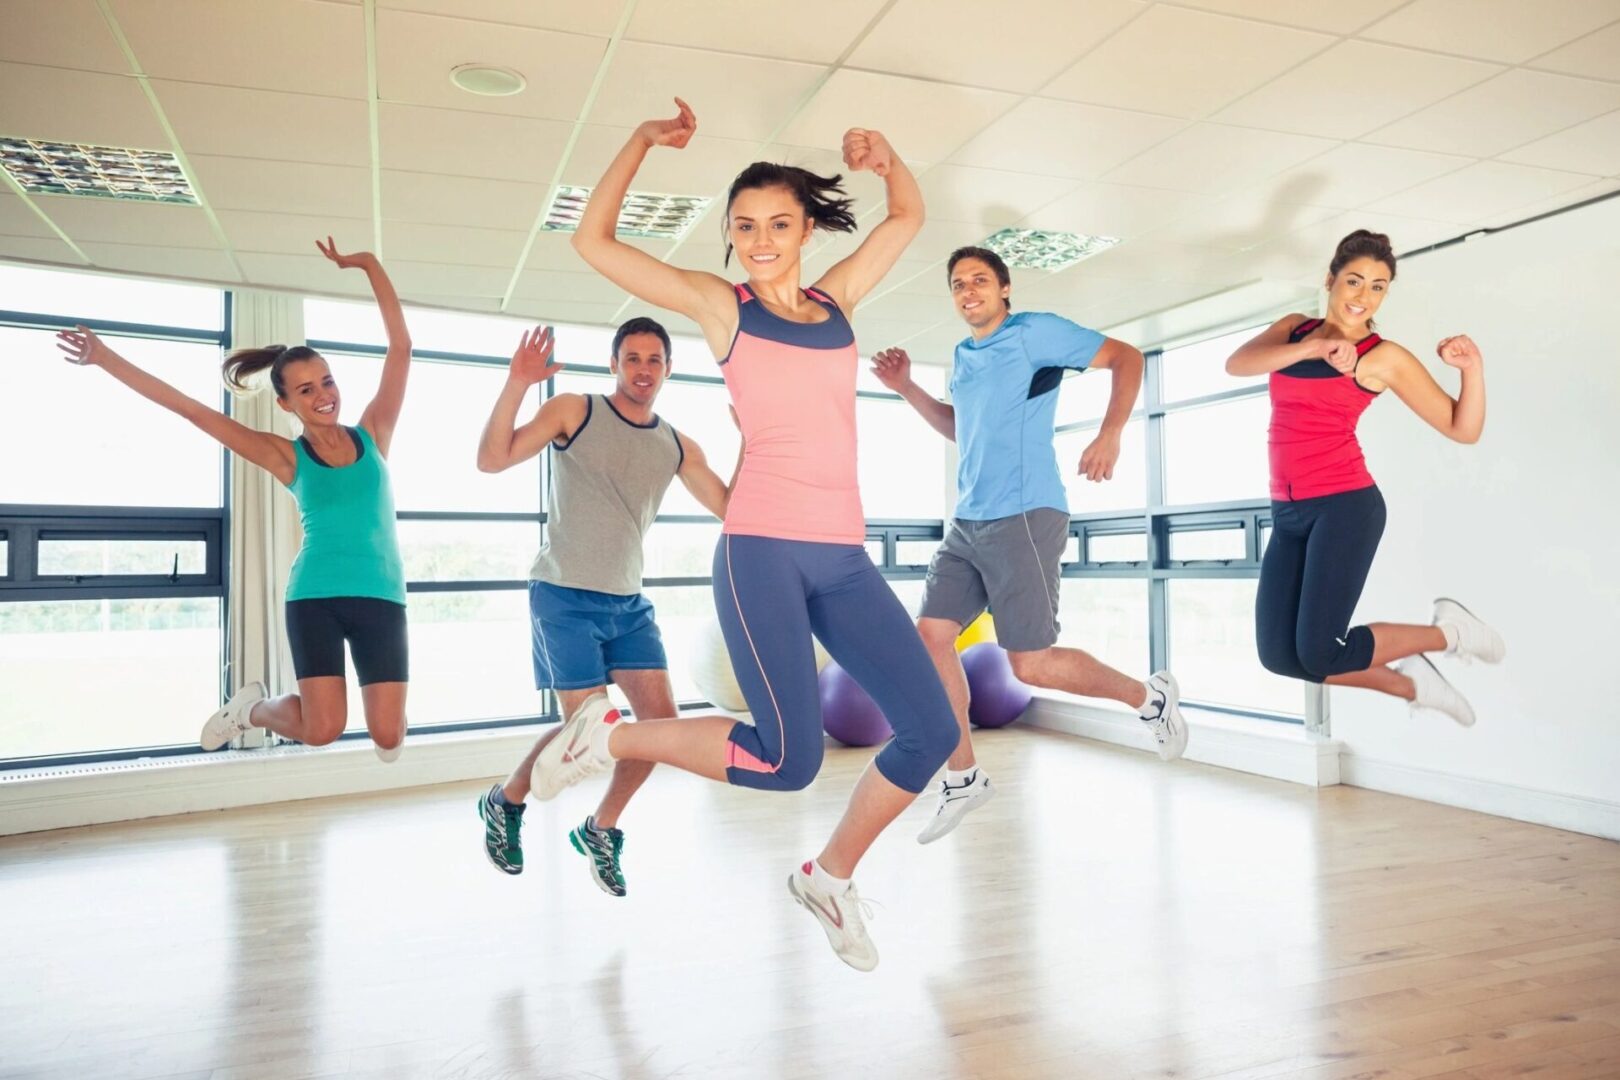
<point>791,561</point>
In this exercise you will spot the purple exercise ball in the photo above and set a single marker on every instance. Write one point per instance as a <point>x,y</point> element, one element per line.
<point>847,712</point>
<point>998,698</point>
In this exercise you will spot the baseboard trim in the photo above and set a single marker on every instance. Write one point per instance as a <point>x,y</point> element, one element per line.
<point>1263,747</point>
<point>1576,813</point>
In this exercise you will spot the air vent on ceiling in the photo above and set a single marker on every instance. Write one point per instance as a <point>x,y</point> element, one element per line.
<point>104,172</point>
<point>1038,249</point>
<point>644,214</point>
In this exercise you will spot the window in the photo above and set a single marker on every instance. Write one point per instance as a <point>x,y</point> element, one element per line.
<point>1216,453</point>
<point>1127,490</point>
<point>1212,647</point>
<point>1198,370</point>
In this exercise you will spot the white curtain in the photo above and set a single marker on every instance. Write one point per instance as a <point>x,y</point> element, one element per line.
<point>265,532</point>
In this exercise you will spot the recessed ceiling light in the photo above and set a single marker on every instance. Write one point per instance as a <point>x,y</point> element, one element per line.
<point>487,80</point>
<point>1038,249</point>
<point>105,172</point>
<point>644,213</point>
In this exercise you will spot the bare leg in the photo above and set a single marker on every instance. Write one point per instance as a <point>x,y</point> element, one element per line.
<point>873,806</point>
<point>1077,672</point>
<point>1384,680</point>
<point>939,636</point>
<point>1392,641</point>
<point>650,694</point>
<point>314,716</point>
<point>697,745</point>
<point>384,703</point>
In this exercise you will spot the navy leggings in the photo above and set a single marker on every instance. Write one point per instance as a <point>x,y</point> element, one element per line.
<point>771,595</point>
<point>1310,580</point>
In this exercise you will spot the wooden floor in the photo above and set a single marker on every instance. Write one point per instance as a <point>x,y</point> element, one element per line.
<point>1107,916</point>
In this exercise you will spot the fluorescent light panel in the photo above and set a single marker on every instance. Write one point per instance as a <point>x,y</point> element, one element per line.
<point>1038,249</point>
<point>644,214</point>
<point>103,172</point>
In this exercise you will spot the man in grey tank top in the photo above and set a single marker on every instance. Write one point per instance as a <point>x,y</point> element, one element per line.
<point>612,459</point>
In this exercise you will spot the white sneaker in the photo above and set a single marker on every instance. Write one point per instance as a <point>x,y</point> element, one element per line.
<point>1475,639</point>
<point>578,750</point>
<point>1162,714</point>
<point>1433,691</point>
<point>954,803</point>
<point>232,720</point>
<point>842,917</point>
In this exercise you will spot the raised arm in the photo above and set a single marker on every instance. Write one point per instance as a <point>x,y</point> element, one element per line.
<point>893,369</point>
<point>1271,351</point>
<point>271,453</point>
<point>1460,419</point>
<point>1125,363</point>
<point>382,413</point>
<point>502,447</point>
<point>853,277</point>
<point>702,481</point>
<point>705,298</point>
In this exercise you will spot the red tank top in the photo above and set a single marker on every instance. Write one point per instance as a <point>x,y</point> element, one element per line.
<point>1314,410</point>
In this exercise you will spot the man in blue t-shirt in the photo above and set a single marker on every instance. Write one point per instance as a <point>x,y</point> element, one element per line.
<point>1004,547</point>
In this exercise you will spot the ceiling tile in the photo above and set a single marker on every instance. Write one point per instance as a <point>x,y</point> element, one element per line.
<point>644,79</point>
<point>1355,174</point>
<point>1241,221</point>
<point>296,46</point>
<point>913,308</point>
<point>1332,16</point>
<point>705,167</point>
<point>453,244</point>
<point>61,33</point>
<point>1116,210</point>
<point>1510,31</point>
<point>990,197</point>
<point>18,219</point>
<point>924,121</point>
<point>1478,191</point>
<point>598,17</point>
<point>569,311</point>
<point>460,200</point>
<point>1508,111</point>
<point>1184,63</point>
<point>553,251</point>
<point>284,187</point>
<point>195,263</point>
<point>1094,139</point>
<point>1019,48</point>
<point>560,287</point>
<point>1332,95</point>
<point>292,234</point>
<point>77,106</point>
<point>1597,55</point>
<point>1569,198</point>
<point>1592,147</point>
<point>225,121</point>
<point>413,138</point>
<point>415,54</point>
<point>126,221</point>
<point>38,248</point>
<point>864,187</point>
<point>1215,159</point>
<point>447,279</point>
<point>779,28</point>
<point>1076,289</point>
<point>307,273</point>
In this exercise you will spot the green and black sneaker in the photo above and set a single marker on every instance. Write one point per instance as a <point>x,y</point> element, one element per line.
<point>603,847</point>
<point>503,832</point>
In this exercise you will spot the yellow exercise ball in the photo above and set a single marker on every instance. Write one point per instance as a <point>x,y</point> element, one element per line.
<point>980,629</point>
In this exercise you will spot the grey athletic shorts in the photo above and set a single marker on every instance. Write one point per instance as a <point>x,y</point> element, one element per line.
<point>1011,565</point>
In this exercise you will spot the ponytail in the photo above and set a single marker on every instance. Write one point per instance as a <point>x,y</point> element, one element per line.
<point>242,364</point>
<point>821,197</point>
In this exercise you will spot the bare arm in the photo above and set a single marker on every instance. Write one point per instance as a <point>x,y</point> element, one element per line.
<point>383,412</point>
<point>852,278</point>
<point>1125,362</point>
<point>1271,351</point>
<point>1460,419</point>
<point>702,481</point>
<point>272,453</point>
<point>893,369</point>
<point>504,445</point>
<point>705,298</point>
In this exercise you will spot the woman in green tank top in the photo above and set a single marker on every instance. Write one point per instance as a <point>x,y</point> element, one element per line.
<point>348,582</point>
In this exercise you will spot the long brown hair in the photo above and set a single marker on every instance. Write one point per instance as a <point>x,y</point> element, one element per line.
<point>243,364</point>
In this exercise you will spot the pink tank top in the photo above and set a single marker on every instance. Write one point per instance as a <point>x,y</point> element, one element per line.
<point>793,385</point>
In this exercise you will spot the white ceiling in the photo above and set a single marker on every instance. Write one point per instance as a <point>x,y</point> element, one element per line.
<point>1229,143</point>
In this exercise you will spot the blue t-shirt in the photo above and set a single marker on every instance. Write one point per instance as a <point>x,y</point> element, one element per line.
<point>1005,390</point>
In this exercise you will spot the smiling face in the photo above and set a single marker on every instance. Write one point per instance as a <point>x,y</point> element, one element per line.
<point>641,367</point>
<point>767,226</point>
<point>312,394</point>
<point>1357,290</point>
<point>979,296</point>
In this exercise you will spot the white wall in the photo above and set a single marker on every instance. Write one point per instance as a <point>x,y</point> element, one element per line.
<point>1524,528</point>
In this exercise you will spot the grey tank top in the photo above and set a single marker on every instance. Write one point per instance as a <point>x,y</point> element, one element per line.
<point>606,484</point>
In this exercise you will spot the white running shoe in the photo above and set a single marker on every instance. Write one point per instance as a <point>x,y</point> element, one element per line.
<point>578,750</point>
<point>954,803</point>
<point>842,917</point>
<point>232,720</point>
<point>1433,691</point>
<point>1475,639</point>
<point>1162,714</point>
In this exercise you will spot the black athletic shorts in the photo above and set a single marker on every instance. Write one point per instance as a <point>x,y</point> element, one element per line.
<point>374,629</point>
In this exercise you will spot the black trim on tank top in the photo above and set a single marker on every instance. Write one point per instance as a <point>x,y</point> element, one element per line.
<point>608,401</point>
<point>680,448</point>
<point>829,335</point>
<point>359,450</point>
<point>1321,369</point>
<point>570,440</point>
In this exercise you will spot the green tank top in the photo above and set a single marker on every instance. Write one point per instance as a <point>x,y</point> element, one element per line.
<point>350,545</point>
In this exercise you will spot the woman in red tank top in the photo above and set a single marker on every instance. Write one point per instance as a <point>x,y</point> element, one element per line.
<point>1327,514</point>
